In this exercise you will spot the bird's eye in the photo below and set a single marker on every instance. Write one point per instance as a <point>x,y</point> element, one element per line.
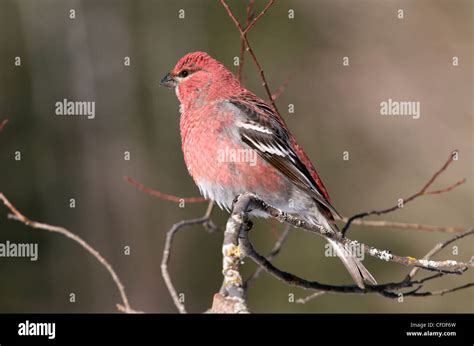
<point>184,73</point>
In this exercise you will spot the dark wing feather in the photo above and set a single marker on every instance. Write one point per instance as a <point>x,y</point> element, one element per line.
<point>265,132</point>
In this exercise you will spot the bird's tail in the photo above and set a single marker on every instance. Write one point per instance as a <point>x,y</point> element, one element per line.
<point>348,256</point>
<point>353,264</point>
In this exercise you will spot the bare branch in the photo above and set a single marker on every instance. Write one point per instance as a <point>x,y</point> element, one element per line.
<point>16,215</point>
<point>442,292</point>
<point>455,267</point>
<point>422,192</point>
<point>403,225</point>
<point>436,249</point>
<point>232,292</point>
<point>280,89</point>
<point>249,48</point>
<point>248,201</point>
<point>3,124</point>
<point>161,195</point>
<point>310,297</point>
<point>273,253</point>
<point>204,220</point>
<point>409,278</point>
<point>248,18</point>
<point>228,305</point>
<point>257,18</point>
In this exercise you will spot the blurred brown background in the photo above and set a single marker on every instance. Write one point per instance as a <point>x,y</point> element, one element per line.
<point>336,110</point>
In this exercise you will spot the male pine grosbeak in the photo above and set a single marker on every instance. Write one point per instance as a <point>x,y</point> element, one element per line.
<point>219,115</point>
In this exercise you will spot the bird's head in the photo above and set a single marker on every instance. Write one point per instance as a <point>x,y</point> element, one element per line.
<point>198,76</point>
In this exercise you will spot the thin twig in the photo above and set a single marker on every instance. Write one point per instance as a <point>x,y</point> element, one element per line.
<point>257,18</point>
<point>442,292</point>
<point>249,48</point>
<point>310,297</point>
<point>436,249</point>
<point>16,215</point>
<point>162,195</point>
<point>280,89</point>
<point>167,252</point>
<point>271,256</point>
<point>422,192</point>
<point>248,18</point>
<point>403,225</point>
<point>3,124</point>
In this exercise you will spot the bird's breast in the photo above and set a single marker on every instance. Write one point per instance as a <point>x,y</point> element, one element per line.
<point>217,159</point>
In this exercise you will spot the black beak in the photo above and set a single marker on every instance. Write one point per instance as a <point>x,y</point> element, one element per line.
<point>168,81</point>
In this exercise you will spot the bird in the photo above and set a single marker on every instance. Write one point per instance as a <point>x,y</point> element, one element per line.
<point>234,142</point>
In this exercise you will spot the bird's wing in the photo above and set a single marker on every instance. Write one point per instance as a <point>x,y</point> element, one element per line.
<point>265,132</point>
